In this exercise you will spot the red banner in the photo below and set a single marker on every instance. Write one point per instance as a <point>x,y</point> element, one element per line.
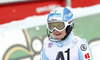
<point>18,11</point>
<point>84,3</point>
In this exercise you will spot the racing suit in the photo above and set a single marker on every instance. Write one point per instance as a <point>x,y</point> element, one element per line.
<point>72,48</point>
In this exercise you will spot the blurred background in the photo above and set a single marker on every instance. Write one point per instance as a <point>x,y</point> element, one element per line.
<point>23,26</point>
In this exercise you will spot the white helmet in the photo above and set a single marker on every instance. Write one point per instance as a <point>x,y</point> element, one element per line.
<point>63,18</point>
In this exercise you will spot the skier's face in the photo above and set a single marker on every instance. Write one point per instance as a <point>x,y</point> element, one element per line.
<point>59,35</point>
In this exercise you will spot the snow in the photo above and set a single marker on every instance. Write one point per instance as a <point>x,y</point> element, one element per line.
<point>33,21</point>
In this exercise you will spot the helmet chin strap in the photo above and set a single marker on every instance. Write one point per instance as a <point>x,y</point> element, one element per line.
<point>64,37</point>
<point>68,30</point>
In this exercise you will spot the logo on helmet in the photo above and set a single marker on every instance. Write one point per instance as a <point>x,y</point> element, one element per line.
<point>55,15</point>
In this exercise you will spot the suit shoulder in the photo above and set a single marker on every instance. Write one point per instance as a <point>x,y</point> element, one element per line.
<point>80,39</point>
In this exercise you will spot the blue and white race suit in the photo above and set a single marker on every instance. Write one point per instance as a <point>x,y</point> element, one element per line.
<point>73,48</point>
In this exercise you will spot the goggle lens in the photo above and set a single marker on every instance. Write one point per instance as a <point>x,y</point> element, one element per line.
<point>58,25</point>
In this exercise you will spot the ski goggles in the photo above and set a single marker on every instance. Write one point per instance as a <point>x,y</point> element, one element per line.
<point>59,26</point>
